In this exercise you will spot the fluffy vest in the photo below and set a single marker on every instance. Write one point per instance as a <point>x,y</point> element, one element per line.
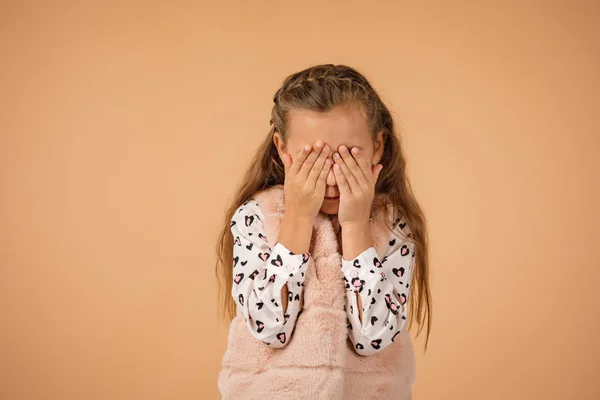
<point>319,362</point>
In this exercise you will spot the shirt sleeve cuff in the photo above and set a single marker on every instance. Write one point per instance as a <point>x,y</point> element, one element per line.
<point>287,265</point>
<point>364,267</point>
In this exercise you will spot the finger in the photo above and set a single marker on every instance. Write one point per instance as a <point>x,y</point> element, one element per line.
<point>285,159</point>
<point>311,159</point>
<point>362,162</point>
<point>299,159</point>
<point>357,173</point>
<point>378,168</point>
<point>350,179</point>
<point>315,171</point>
<point>322,181</point>
<point>341,181</point>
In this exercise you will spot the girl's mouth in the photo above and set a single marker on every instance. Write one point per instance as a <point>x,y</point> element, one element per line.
<point>332,198</point>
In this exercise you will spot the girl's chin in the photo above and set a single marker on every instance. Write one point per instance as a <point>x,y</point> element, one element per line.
<point>331,209</point>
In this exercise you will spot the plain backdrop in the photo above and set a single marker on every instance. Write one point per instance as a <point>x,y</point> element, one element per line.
<point>125,127</point>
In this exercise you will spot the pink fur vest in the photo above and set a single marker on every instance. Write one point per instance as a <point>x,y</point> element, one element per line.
<point>319,362</point>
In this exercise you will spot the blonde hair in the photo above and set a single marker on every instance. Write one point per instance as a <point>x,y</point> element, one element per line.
<point>321,88</point>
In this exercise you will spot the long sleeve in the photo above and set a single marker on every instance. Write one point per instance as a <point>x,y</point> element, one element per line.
<point>384,288</point>
<point>259,273</point>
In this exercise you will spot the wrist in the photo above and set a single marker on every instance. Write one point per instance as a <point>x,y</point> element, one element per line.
<point>356,238</point>
<point>361,224</point>
<point>295,233</point>
<point>298,221</point>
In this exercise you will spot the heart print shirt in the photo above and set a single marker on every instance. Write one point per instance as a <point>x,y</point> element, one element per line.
<point>260,271</point>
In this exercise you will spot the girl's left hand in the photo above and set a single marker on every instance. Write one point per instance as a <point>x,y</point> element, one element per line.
<point>356,180</point>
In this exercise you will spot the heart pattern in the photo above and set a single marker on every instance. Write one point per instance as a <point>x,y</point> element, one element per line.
<point>404,250</point>
<point>278,262</point>
<point>238,278</point>
<point>281,337</point>
<point>258,260</point>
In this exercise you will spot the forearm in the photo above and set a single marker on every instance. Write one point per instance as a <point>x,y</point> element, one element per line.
<point>267,280</point>
<point>382,287</point>
<point>295,233</point>
<point>381,320</point>
<point>356,238</point>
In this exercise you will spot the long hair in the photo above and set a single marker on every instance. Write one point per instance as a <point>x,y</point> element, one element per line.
<point>321,88</point>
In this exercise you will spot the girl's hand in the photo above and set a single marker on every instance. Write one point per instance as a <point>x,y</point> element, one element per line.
<point>305,180</point>
<point>356,179</point>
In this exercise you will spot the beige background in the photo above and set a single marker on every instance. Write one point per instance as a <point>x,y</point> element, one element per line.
<point>125,126</point>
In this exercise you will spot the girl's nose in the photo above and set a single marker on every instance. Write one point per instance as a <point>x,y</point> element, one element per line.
<point>331,178</point>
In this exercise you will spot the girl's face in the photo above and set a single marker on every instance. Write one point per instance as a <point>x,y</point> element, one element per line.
<point>341,125</point>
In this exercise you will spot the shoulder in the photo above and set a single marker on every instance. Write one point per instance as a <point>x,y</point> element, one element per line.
<point>385,209</point>
<point>402,227</point>
<point>401,230</point>
<point>247,215</point>
<point>271,200</point>
<point>264,203</point>
<point>401,240</point>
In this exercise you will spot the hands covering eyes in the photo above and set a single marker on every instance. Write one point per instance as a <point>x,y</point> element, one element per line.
<point>306,175</point>
<point>305,180</point>
<point>356,179</point>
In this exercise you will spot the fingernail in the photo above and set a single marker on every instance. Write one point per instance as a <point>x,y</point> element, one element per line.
<point>306,147</point>
<point>355,150</point>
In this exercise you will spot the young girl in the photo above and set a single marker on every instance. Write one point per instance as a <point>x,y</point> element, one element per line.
<point>321,250</point>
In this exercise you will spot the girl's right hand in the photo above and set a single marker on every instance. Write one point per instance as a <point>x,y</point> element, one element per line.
<point>305,180</point>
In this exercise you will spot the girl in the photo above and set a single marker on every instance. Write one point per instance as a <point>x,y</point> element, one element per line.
<point>321,249</point>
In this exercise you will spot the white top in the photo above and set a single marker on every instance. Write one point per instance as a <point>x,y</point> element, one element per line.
<point>259,273</point>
